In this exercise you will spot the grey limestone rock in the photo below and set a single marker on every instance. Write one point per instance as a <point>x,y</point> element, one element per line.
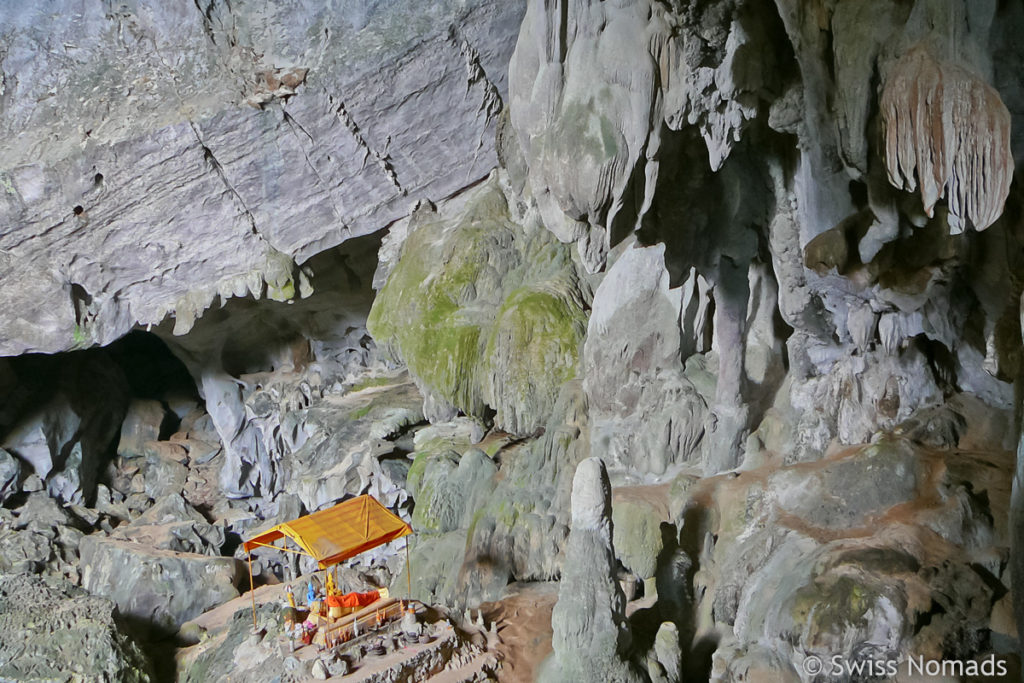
<point>436,560</point>
<point>69,423</point>
<point>232,652</point>
<point>667,651</point>
<point>591,634</point>
<point>159,587</point>
<point>141,423</point>
<point>448,488</point>
<point>172,524</point>
<point>258,135</point>
<point>520,532</point>
<point>646,416</point>
<point>637,538</point>
<point>54,631</point>
<point>32,483</point>
<point>162,472</point>
<point>25,552</point>
<point>836,591</point>
<point>10,475</point>
<point>339,456</point>
<point>763,257</point>
<point>595,89</point>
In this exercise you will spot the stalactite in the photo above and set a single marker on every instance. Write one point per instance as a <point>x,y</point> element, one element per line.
<point>949,132</point>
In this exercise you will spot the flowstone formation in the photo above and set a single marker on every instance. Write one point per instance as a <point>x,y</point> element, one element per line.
<point>648,410</point>
<point>498,324</point>
<point>858,569</point>
<point>952,130</point>
<point>769,292</point>
<point>705,316</point>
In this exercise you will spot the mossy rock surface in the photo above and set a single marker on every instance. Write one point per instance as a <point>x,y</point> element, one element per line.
<point>428,480</point>
<point>448,488</point>
<point>518,531</point>
<point>421,312</point>
<point>636,536</point>
<point>486,313</point>
<point>536,330</point>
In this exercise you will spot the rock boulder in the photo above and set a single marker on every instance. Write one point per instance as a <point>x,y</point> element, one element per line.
<point>56,632</point>
<point>157,586</point>
<point>10,473</point>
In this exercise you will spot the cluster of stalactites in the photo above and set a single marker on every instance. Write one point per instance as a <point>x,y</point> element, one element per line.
<point>951,129</point>
<point>592,84</point>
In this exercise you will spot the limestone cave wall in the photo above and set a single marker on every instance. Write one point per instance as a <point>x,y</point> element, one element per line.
<point>711,305</point>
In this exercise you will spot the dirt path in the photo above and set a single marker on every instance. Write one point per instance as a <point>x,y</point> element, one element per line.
<point>524,627</point>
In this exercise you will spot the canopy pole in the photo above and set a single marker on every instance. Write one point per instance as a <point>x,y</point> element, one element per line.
<point>408,567</point>
<point>366,513</point>
<point>252,591</point>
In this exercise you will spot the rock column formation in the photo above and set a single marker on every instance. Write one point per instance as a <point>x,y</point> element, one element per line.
<point>591,635</point>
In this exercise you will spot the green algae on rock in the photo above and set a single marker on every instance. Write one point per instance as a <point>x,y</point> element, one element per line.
<point>486,311</point>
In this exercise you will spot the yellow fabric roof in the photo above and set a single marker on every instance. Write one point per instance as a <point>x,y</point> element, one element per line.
<point>333,535</point>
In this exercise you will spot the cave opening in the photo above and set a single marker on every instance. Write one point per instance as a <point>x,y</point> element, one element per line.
<point>65,414</point>
<point>153,372</point>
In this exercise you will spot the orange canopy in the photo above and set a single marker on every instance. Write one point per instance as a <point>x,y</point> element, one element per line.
<point>334,535</point>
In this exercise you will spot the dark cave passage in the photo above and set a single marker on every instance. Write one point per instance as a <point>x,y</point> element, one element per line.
<point>62,414</point>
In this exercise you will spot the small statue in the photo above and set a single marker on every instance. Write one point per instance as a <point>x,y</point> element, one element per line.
<point>290,595</point>
<point>310,593</point>
<point>289,626</point>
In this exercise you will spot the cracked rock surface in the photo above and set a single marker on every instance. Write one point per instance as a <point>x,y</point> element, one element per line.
<point>50,631</point>
<point>242,138</point>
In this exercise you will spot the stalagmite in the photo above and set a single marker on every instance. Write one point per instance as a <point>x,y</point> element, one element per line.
<point>591,633</point>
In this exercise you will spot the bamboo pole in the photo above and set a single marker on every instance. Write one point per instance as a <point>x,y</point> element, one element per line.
<point>408,567</point>
<point>252,591</point>
<point>366,514</point>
